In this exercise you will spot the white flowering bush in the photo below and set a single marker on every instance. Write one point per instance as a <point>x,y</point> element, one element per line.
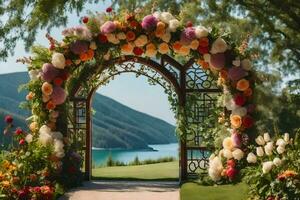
<point>273,171</point>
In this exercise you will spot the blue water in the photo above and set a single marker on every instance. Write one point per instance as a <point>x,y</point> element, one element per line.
<point>126,156</point>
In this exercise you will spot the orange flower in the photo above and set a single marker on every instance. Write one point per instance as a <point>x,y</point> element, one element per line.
<point>176,46</point>
<point>248,92</point>
<point>184,51</point>
<point>163,48</point>
<point>203,42</point>
<point>50,105</point>
<point>160,26</point>
<point>118,24</point>
<point>127,48</point>
<point>30,96</point>
<point>47,88</point>
<point>90,53</point>
<point>130,35</point>
<point>242,85</point>
<point>159,32</point>
<point>33,126</point>
<point>203,64</point>
<point>83,57</point>
<point>194,44</point>
<point>68,62</point>
<point>236,121</point>
<point>223,74</point>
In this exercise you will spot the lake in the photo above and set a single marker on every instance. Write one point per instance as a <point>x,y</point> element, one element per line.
<point>161,150</point>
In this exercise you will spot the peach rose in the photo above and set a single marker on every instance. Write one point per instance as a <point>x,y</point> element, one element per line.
<point>194,44</point>
<point>242,85</point>
<point>33,126</point>
<point>228,143</point>
<point>141,41</point>
<point>50,105</point>
<point>160,26</point>
<point>127,48</point>
<point>30,96</point>
<point>159,33</point>
<point>203,64</point>
<point>184,51</point>
<point>236,121</point>
<point>248,92</point>
<point>151,50</point>
<point>163,48</point>
<point>47,88</point>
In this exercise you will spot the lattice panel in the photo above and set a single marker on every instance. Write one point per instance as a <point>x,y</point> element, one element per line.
<point>198,160</point>
<point>197,78</point>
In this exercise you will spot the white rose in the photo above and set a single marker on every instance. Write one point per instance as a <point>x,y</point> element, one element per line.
<point>280,149</point>
<point>267,137</point>
<point>173,25</point>
<point>227,154</point>
<point>201,32</point>
<point>260,140</point>
<point>277,161</point>
<point>59,148</point>
<point>166,37</point>
<point>215,169</point>
<point>241,111</point>
<point>212,156</point>
<point>34,74</point>
<point>259,151</point>
<point>238,154</point>
<point>45,130</point>
<point>218,46</point>
<point>166,17</point>
<point>45,139</point>
<point>286,137</point>
<point>228,143</point>
<point>246,64</point>
<point>269,148</point>
<point>280,142</point>
<point>28,138</point>
<point>267,167</point>
<point>251,158</point>
<point>58,60</point>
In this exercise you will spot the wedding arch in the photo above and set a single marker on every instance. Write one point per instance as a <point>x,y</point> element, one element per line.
<point>197,67</point>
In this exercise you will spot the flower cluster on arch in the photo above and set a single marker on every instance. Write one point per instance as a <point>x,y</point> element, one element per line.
<point>105,36</point>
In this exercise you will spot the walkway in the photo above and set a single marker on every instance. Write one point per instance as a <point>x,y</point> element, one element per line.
<point>125,190</point>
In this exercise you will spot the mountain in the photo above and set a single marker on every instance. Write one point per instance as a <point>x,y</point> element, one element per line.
<point>114,124</point>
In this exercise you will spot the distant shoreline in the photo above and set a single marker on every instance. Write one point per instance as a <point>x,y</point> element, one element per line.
<point>134,149</point>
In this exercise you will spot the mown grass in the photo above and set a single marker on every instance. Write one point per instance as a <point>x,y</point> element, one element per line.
<point>194,191</point>
<point>158,171</point>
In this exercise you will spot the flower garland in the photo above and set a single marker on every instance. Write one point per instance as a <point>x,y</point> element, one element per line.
<point>105,36</point>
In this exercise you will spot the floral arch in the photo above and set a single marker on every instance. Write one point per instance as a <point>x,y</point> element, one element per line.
<point>103,40</point>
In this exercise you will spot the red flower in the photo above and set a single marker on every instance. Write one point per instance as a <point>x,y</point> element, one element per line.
<point>247,121</point>
<point>203,50</point>
<point>58,81</point>
<point>102,38</point>
<point>52,47</point>
<point>231,163</point>
<point>64,75</point>
<point>22,142</point>
<point>138,51</point>
<point>18,131</point>
<point>109,9</point>
<point>72,170</point>
<point>239,99</point>
<point>85,19</point>
<point>37,189</point>
<point>189,24</point>
<point>231,173</point>
<point>8,119</point>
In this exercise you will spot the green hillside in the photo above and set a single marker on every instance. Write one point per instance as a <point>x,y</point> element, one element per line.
<point>114,125</point>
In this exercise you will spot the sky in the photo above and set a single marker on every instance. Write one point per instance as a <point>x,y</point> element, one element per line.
<point>126,88</point>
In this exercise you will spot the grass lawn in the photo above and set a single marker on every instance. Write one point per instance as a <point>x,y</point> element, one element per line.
<point>194,191</point>
<point>159,171</point>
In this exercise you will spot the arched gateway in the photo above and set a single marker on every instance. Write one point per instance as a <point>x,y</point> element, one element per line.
<point>192,63</point>
<point>183,80</point>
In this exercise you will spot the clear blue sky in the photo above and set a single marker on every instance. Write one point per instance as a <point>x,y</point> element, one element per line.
<point>133,92</point>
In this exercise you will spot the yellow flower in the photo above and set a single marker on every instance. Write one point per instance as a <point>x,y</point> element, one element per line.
<point>5,183</point>
<point>163,48</point>
<point>6,164</point>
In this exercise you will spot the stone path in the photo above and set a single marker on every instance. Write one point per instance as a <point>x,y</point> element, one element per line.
<point>124,190</point>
